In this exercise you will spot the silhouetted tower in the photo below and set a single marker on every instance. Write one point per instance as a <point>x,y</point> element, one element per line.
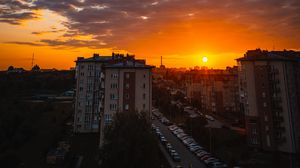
<point>32,60</point>
<point>161,63</point>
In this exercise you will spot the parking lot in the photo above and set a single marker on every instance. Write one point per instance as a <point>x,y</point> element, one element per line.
<point>183,146</point>
<point>187,158</point>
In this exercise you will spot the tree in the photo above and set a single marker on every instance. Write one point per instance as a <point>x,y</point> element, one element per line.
<point>35,68</point>
<point>10,68</point>
<point>129,142</point>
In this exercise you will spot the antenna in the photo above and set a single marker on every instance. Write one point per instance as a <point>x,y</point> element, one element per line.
<point>32,60</point>
<point>161,61</point>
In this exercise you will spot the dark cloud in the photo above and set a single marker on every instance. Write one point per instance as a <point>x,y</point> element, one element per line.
<point>24,43</point>
<point>15,11</point>
<point>116,22</point>
<point>46,32</point>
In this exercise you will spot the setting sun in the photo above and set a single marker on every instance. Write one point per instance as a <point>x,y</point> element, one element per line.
<point>204,59</point>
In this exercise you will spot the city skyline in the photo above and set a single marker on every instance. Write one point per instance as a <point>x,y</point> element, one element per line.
<point>183,32</point>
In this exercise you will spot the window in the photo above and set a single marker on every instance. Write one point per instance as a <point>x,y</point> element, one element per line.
<point>113,106</point>
<point>113,97</point>
<point>127,96</point>
<point>80,89</point>
<point>127,85</point>
<point>126,107</point>
<point>114,86</point>
<point>263,94</point>
<point>114,75</point>
<point>107,119</point>
<point>144,85</point>
<point>266,118</point>
<point>267,128</point>
<point>144,75</point>
<point>82,67</point>
<point>265,104</point>
<point>82,74</point>
<point>127,75</point>
<point>144,106</point>
<point>144,96</point>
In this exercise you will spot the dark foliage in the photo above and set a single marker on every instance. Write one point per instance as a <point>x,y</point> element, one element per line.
<point>130,143</point>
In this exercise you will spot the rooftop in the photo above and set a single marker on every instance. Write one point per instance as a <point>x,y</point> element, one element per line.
<point>116,61</point>
<point>264,55</point>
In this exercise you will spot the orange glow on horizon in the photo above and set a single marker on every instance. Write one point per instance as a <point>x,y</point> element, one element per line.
<point>182,43</point>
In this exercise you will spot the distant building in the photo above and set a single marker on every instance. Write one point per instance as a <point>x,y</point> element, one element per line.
<point>109,84</point>
<point>215,91</point>
<point>12,69</point>
<point>269,90</point>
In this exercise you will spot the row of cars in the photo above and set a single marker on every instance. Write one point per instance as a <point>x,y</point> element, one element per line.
<point>173,153</point>
<point>194,147</point>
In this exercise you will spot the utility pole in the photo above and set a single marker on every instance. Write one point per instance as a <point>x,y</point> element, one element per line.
<point>32,60</point>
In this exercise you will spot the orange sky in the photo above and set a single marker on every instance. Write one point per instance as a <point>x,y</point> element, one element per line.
<point>182,35</point>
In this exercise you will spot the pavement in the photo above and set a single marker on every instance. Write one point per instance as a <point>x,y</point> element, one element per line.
<point>188,159</point>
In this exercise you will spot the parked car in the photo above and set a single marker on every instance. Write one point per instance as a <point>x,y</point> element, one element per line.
<point>205,157</point>
<point>177,131</point>
<point>181,135</point>
<point>217,165</point>
<point>188,141</point>
<point>184,138</point>
<point>176,157</point>
<point>173,127</point>
<point>211,159</point>
<point>209,117</point>
<point>178,166</point>
<point>195,148</point>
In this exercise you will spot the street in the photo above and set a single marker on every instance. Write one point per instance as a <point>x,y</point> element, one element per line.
<point>187,158</point>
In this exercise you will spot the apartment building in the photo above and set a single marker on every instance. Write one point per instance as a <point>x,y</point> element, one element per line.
<point>128,88</point>
<point>110,84</point>
<point>269,91</point>
<point>89,93</point>
<point>216,91</point>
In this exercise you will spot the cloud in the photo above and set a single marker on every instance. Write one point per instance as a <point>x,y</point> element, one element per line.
<point>47,32</point>
<point>16,11</point>
<point>24,43</point>
<point>119,22</point>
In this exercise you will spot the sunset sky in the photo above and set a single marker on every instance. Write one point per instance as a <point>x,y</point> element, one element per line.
<point>182,31</point>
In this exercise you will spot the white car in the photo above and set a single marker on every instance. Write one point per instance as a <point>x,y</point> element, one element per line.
<point>209,117</point>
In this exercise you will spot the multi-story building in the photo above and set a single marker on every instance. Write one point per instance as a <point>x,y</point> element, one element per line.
<point>128,88</point>
<point>215,91</point>
<point>270,93</point>
<point>110,84</point>
<point>90,77</point>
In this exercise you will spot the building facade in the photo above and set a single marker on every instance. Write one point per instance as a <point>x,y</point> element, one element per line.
<point>216,91</point>
<point>109,84</point>
<point>128,88</point>
<point>269,90</point>
<point>89,93</point>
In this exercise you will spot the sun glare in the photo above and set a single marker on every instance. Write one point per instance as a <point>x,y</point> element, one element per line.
<point>204,59</point>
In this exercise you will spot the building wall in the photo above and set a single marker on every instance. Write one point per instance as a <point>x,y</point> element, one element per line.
<point>269,95</point>
<point>134,93</point>
<point>88,84</point>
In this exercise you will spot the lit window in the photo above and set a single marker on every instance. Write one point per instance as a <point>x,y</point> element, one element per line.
<point>127,75</point>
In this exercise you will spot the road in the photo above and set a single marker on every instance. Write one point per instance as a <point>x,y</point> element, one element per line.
<point>187,158</point>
